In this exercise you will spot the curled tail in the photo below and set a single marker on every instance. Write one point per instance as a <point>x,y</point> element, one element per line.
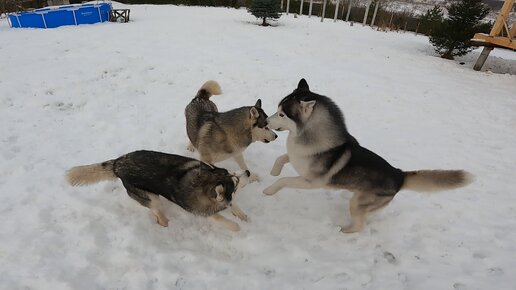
<point>436,180</point>
<point>88,174</point>
<point>209,89</point>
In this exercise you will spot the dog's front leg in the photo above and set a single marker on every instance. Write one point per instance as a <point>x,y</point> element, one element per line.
<point>228,224</point>
<point>291,182</point>
<point>236,211</point>
<point>241,163</point>
<point>278,165</point>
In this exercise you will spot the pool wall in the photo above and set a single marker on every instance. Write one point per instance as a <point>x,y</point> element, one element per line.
<point>62,15</point>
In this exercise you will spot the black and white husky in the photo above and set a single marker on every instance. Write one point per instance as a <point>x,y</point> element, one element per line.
<point>195,186</point>
<point>325,155</point>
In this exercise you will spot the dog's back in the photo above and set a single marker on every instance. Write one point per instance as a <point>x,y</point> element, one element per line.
<point>198,107</point>
<point>182,180</point>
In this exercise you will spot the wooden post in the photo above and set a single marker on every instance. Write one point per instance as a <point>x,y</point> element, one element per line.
<point>503,16</point>
<point>500,23</point>
<point>375,11</point>
<point>336,10</point>
<point>366,13</point>
<point>350,4</point>
<point>323,11</point>
<point>301,8</point>
<point>512,33</point>
<point>482,58</point>
<point>288,6</point>
<point>310,8</point>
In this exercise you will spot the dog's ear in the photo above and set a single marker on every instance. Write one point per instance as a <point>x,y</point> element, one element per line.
<point>303,85</point>
<point>258,103</point>
<point>307,107</point>
<point>254,114</point>
<point>220,190</point>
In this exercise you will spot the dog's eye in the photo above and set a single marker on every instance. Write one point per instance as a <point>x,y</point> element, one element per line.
<point>281,115</point>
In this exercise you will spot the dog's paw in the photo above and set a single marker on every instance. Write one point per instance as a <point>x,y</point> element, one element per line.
<point>241,216</point>
<point>275,171</point>
<point>232,226</point>
<point>270,190</point>
<point>349,229</point>
<point>190,147</point>
<point>162,221</point>
<point>254,177</point>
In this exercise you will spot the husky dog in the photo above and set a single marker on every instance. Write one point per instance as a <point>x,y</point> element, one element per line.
<point>195,186</point>
<point>220,136</point>
<point>325,155</point>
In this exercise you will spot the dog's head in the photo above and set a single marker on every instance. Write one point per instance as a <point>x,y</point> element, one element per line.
<point>294,109</point>
<point>220,185</point>
<point>260,130</point>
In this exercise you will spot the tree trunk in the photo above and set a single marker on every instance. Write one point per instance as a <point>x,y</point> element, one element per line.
<point>448,54</point>
<point>264,23</point>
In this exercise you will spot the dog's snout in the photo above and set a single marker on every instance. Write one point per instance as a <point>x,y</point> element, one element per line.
<point>247,173</point>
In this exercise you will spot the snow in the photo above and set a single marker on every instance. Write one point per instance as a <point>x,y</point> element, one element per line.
<point>80,95</point>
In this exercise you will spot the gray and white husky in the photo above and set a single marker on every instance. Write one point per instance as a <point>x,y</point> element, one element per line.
<point>325,155</point>
<point>220,136</point>
<point>195,186</point>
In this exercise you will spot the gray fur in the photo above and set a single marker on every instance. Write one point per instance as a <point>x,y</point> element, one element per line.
<point>220,136</point>
<point>325,155</point>
<point>195,186</point>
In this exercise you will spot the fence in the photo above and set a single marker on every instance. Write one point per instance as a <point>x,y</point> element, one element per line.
<point>341,10</point>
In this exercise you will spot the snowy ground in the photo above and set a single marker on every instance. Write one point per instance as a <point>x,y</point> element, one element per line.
<point>79,95</point>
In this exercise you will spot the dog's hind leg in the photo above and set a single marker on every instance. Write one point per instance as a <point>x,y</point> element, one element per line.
<point>241,163</point>
<point>149,200</point>
<point>360,205</point>
<point>155,207</point>
<point>228,224</point>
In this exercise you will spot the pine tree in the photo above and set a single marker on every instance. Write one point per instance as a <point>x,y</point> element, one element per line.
<point>432,19</point>
<point>451,37</point>
<point>264,9</point>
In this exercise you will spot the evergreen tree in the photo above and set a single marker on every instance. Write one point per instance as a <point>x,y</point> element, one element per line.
<point>451,37</point>
<point>264,9</point>
<point>432,19</point>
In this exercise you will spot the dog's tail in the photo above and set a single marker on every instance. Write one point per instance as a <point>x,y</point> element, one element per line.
<point>209,89</point>
<point>88,174</point>
<point>436,180</point>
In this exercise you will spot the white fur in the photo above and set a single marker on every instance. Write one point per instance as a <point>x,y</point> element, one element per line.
<point>300,155</point>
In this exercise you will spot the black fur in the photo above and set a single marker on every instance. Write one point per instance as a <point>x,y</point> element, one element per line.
<point>185,181</point>
<point>365,170</point>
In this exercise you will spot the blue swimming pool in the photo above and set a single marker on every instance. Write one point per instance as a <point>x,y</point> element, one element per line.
<point>62,15</point>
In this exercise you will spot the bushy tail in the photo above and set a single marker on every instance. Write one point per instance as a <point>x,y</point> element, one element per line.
<point>436,180</point>
<point>88,174</point>
<point>209,89</point>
